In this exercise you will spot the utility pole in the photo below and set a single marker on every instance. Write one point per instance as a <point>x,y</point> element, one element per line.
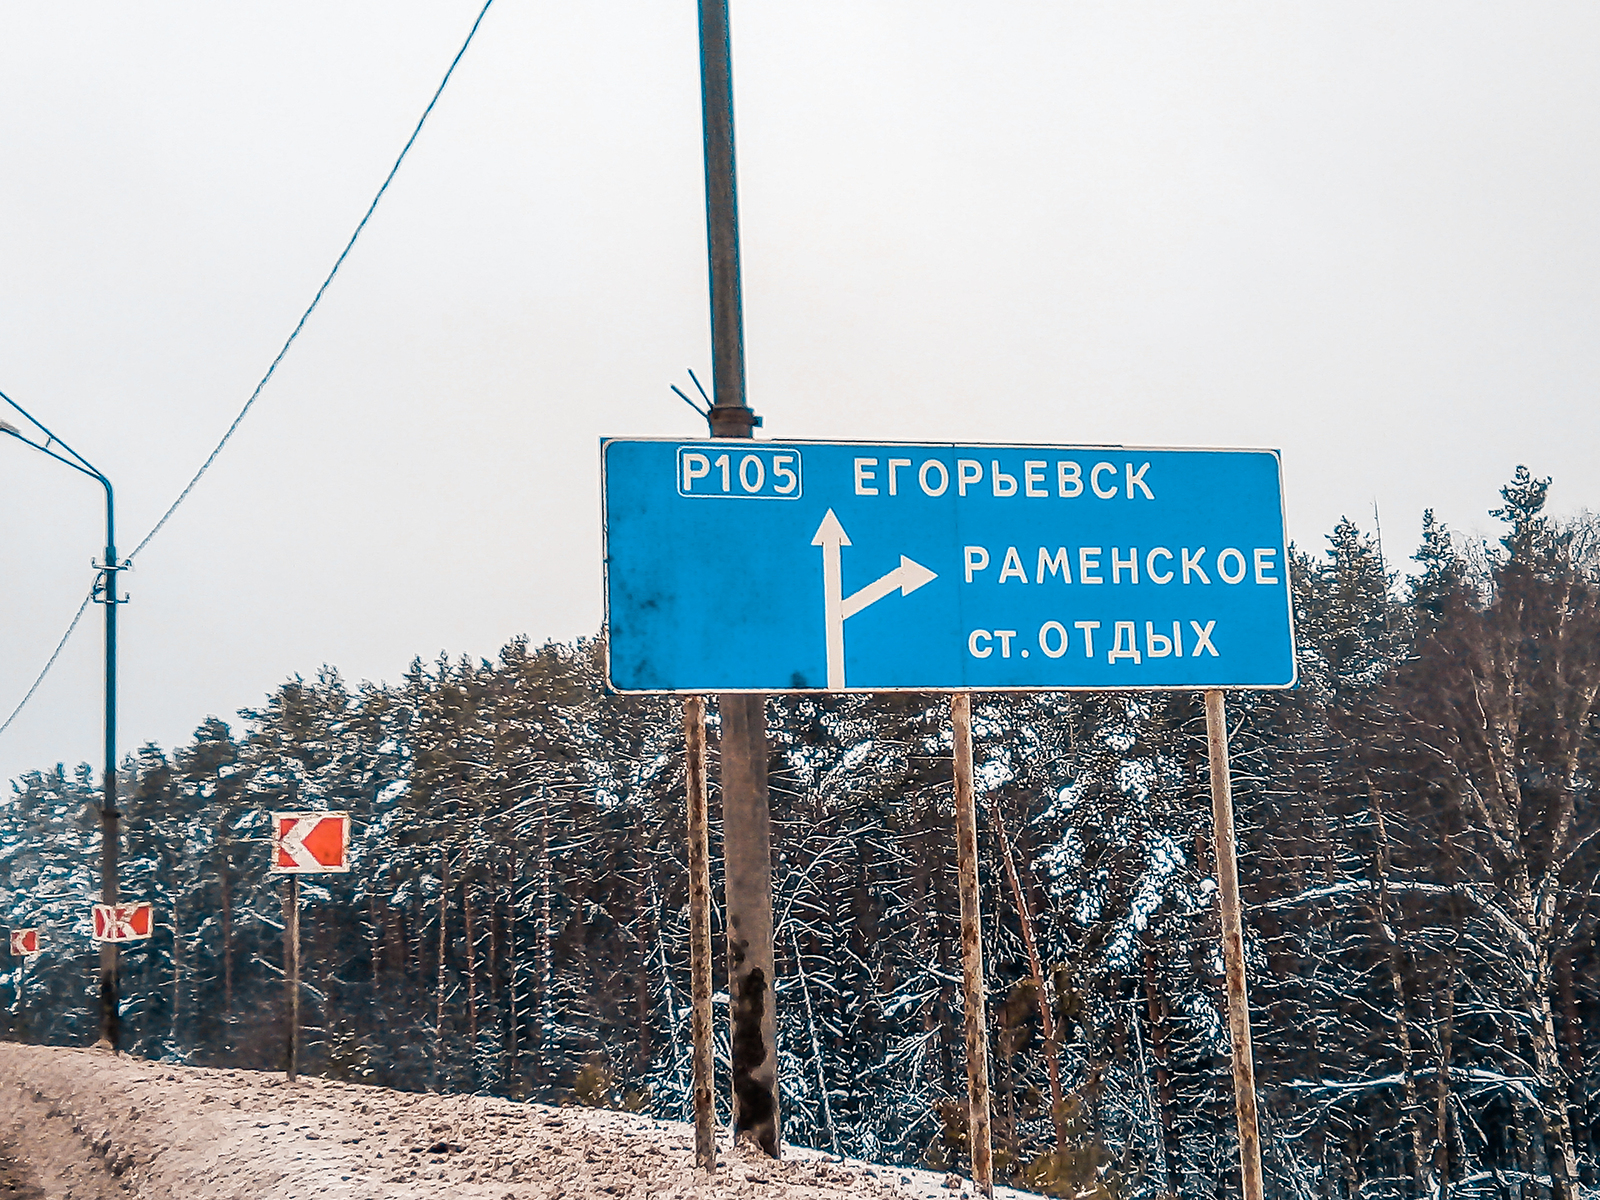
<point>746,812</point>
<point>110,835</point>
<point>105,592</point>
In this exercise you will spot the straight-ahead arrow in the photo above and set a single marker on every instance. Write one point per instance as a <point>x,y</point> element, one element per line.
<point>830,536</point>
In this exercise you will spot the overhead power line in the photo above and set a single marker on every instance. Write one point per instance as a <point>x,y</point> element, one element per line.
<point>59,647</point>
<point>273,366</point>
<point>317,299</point>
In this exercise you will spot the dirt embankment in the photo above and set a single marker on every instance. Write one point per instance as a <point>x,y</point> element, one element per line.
<point>84,1125</point>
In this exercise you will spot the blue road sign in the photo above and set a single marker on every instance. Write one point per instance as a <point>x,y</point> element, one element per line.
<point>766,567</point>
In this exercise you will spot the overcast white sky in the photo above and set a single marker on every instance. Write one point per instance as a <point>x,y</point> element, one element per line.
<point>1363,233</point>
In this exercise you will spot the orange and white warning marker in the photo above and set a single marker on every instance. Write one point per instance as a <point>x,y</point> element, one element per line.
<point>24,942</point>
<point>130,922</point>
<point>310,843</point>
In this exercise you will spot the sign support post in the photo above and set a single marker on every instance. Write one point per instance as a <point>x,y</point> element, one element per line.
<point>291,937</point>
<point>977,1033</point>
<point>313,843</point>
<point>694,734</point>
<point>1244,1081</point>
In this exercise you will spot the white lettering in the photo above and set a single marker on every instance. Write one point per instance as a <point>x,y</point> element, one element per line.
<point>1055,564</point>
<point>1124,643</point>
<point>894,465</point>
<point>944,477</point>
<point>972,644</point>
<point>1088,628</point>
<point>1264,564</point>
<point>695,466</point>
<point>1067,472</point>
<point>1193,564</point>
<point>1061,639</point>
<point>1129,564</point>
<point>865,475</point>
<point>1089,560</point>
<point>977,560</point>
<point>727,479</point>
<point>1136,480</point>
<point>1156,645</point>
<point>968,473</point>
<point>1222,569</point>
<point>1094,480</point>
<point>1033,478</point>
<point>1003,484</point>
<point>1150,565</point>
<point>780,469</point>
<point>745,463</point>
<point>1012,566</point>
<point>1203,639</point>
<point>1005,636</point>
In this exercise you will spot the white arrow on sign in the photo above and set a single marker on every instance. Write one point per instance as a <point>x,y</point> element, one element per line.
<point>310,843</point>
<point>837,607</point>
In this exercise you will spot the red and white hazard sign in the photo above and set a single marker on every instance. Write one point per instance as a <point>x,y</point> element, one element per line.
<point>310,843</point>
<point>122,922</point>
<point>24,942</point>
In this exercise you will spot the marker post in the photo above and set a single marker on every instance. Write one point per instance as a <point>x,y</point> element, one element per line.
<point>291,945</point>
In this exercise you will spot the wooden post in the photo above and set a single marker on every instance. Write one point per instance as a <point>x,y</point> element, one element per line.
<point>694,736</point>
<point>1244,1072</point>
<point>292,976</point>
<point>977,1033</point>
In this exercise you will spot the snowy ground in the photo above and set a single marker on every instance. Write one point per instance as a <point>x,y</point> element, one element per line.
<point>84,1125</point>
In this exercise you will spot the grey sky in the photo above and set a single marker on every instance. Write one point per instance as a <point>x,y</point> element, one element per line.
<point>1360,232</point>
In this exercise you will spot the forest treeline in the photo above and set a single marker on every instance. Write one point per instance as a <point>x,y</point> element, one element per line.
<point>1419,854</point>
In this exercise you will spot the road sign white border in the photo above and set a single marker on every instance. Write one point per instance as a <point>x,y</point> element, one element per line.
<point>138,937</point>
<point>1283,516</point>
<point>274,869</point>
<point>11,941</point>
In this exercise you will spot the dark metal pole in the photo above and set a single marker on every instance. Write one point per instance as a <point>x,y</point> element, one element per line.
<point>731,415</point>
<point>746,812</point>
<point>110,835</point>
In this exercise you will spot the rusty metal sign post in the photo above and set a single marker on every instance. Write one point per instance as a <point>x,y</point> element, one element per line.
<point>979,1141</point>
<point>1244,1071</point>
<point>694,736</point>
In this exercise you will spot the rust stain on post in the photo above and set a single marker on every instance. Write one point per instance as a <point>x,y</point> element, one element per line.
<point>694,736</point>
<point>977,1034</point>
<point>1244,1072</point>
